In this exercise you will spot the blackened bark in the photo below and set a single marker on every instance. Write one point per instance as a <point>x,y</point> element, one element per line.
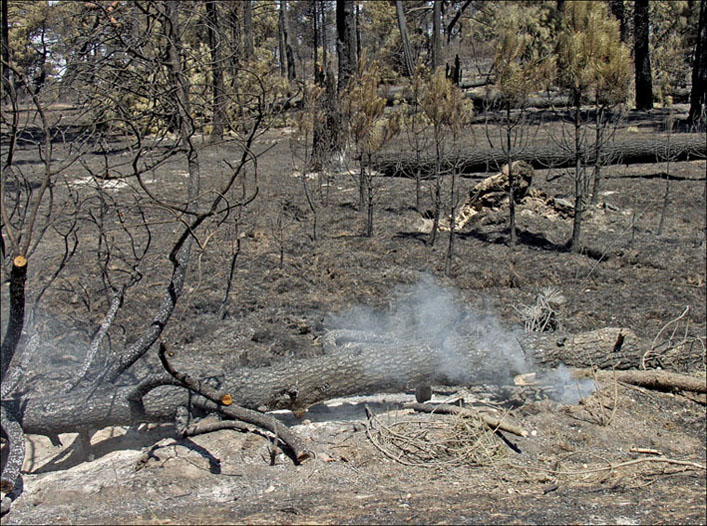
<point>219,99</point>
<point>436,34</point>
<point>618,10</point>
<point>345,42</point>
<point>289,54</point>
<point>248,47</point>
<point>12,431</point>
<point>642,60</point>
<point>698,95</point>
<point>281,40</point>
<point>407,50</point>
<point>13,332</point>
<point>5,43</point>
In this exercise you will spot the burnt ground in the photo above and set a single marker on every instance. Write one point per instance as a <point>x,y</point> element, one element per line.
<point>627,276</point>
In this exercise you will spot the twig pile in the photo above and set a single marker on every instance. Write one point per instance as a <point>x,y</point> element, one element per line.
<point>442,441</point>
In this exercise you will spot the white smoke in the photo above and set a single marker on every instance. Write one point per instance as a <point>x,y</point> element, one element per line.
<point>431,314</point>
<point>566,389</point>
<point>475,347</point>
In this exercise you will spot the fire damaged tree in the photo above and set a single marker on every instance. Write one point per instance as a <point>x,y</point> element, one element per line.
<point>346,46</point>
<point>520,71</point>
<point>217,66</point>
<point>591,60</point>
<point>443,107</point>
<point>698,95</point>
<point>642,57</point>
<point>159,131</point>
<point>370,130</point>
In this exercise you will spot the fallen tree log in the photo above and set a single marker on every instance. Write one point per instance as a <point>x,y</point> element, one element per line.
<point>351,369</point>
<point>625,151</point>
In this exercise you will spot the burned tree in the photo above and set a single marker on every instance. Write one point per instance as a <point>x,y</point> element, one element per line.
<point>157,123</point>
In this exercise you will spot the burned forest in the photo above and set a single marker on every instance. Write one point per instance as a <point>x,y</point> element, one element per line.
<point>337,261</point>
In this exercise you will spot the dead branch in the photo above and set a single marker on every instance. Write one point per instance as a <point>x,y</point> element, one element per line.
<point>225,406</point>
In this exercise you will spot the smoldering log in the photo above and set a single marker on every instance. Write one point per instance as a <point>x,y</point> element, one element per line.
<point>657,149</point>
<point>348,370</point>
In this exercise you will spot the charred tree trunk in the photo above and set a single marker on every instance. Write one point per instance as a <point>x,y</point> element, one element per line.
<point>219,98</point>
<point>642,59</point>
<point>436,34</point>
<point>698,95</point>
<point>407,50</point>
<point>18,276</point>
<point>5,56</point>
<point>627,151</point>
<point>248,47</point>
<point>345,42</point>
<point>287,58</point>
<point>618,10</point>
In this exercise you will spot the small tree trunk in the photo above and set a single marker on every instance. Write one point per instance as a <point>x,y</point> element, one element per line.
<point>287,60</point>
<point>438,189</point>
<point>509,162</point>
<point>13,332</point>
<point>325,40</point>
<point>644,79</point>
<point>575,243</point>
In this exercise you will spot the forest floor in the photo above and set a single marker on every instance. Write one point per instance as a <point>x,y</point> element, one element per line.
<point>592,462</point>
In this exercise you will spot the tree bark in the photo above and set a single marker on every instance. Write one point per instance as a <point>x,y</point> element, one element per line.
<point>287,58</point>
<point>13,332</point>
<point>345,42</point>
<point>219,98</point>
<point>436,34</point>
<point>407,50</point>
<point>5,55</point>
<point>248,47</point>
<point>618,10</point>
<point>642,60</point>
<point>698,95</point>
<point>349,369</point>
<point>625,151</point>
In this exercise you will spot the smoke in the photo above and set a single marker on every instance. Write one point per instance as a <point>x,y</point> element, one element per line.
<point>432,314</point>
<point>565,388</point>
<point>473,347</point>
